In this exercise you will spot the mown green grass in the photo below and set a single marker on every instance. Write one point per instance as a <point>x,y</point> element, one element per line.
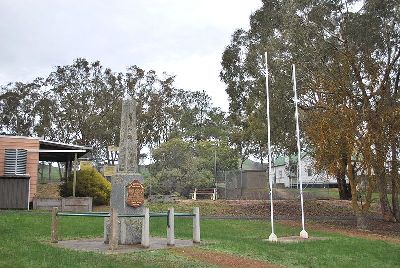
<point>24,237</point>
<point>24,240</point>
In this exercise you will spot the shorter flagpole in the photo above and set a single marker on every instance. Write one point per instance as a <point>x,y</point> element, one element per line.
<point>272,236</point>
<point>303,233</point>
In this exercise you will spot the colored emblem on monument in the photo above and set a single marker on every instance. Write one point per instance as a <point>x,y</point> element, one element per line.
<point>135,194</point>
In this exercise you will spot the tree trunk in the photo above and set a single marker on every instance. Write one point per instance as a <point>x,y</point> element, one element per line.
<point>360,216</point>
<point>385,207</point>
<point>395,183</point>
<point>59,170</point>
<point>41,171</point>
<point>66,171</point>
<point>343,187</point>
<point>379,168</point>
<point>49,171</point>
<point>69,168</point>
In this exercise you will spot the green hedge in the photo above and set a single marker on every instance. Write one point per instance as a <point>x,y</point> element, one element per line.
<point>89,182</point>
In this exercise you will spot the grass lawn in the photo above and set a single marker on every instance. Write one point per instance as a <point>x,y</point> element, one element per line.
<point>23,237</point>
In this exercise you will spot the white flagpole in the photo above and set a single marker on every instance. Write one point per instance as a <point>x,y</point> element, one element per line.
<point>303,233</point>
<point>272,236</point>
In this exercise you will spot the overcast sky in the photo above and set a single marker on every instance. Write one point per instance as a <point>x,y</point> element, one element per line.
<point>181,37</point>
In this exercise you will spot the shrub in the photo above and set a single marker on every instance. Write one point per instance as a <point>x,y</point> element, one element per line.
<point>89,182</point>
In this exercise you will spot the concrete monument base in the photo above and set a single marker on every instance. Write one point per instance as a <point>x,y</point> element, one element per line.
<point>97,245</point>
<point>130,229</point>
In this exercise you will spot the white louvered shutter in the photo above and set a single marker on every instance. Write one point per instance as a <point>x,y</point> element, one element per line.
<point>15,162</point>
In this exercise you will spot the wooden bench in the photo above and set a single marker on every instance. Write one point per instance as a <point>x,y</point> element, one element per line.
<point>210,191</point>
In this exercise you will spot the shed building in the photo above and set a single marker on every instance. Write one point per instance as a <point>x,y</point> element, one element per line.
<point>19,160</point>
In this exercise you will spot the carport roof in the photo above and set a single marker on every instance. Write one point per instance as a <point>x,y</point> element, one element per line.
<point>54,151</point>
<point>60,152</point>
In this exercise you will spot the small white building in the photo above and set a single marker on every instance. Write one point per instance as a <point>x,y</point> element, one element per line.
<point>284,173</point>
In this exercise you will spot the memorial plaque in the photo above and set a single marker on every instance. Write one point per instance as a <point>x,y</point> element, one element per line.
<point>135,194</point>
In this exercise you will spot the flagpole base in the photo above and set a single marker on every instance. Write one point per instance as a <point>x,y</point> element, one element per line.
<point>273,238</point>
<point>304,234</point>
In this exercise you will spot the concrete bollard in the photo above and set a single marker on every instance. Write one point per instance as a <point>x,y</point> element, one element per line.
<point>196,225</point>
<point>195,194</point>
<point>146,229</point>
<point>171,228</point>
<point>114,230</point>
<point>54,225</point>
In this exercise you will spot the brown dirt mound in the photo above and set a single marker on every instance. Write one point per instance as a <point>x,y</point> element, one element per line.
<point>223,259</point>
<point>48,190</point>
<point>384,231</point>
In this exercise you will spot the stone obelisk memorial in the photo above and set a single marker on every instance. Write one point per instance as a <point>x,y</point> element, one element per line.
<point>127,192</point>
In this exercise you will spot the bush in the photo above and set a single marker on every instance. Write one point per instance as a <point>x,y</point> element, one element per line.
<point>89,182</point>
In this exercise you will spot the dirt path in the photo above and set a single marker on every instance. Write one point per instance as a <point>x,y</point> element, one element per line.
<point>223,259</point>
<point>342,229</point>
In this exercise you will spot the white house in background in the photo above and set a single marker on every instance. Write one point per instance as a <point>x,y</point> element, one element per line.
<point>284,173</point>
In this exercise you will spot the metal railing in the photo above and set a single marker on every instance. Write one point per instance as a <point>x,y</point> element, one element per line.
<point>114,234</point>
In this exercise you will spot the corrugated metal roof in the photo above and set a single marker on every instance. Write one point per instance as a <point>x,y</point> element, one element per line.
<point>63,155</point>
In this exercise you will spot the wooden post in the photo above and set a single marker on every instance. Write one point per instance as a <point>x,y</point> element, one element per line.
<point>196,225</point>
<point>74,182</point>
<point>54,225</point>
<point>171,228</point>
<point>146,229</point>
<point>114,230</point>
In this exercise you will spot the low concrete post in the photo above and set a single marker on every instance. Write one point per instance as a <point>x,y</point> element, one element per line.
<point>171,227</point>
<point>63,204</point>
<point>114,237</point>
<point>194,194</point>
<point>146,229</point>
<point>54,225</point>
<point>196,225</point>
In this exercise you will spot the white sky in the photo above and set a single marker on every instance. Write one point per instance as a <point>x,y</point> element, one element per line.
<point>181,37</point>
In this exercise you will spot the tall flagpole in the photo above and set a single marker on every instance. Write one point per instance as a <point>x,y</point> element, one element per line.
<point>272,236</point>
<point>303,233</point>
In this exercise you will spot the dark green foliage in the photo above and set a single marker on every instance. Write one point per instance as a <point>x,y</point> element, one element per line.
<point>181,166</point>
<point>89,182</point>
<point>80,103</point>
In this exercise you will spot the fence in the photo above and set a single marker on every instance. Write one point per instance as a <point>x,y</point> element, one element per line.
<point>254,185</point>
<point>65,204</point>
<point>242,184</point>
<point>145,241</point>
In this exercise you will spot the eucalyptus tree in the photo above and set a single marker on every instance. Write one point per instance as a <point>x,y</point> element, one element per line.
<point>18,107</point>
<point>350,62</point>
<point>347,57</point>
<point>243,71</point>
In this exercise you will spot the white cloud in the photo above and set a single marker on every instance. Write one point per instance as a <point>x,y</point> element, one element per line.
<point>183,37</point>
